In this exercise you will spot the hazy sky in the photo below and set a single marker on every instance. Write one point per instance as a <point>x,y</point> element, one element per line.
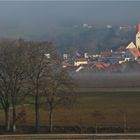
<point>92,11</point>
<point>38,15</point>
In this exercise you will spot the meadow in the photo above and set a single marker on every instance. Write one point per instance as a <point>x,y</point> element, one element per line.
<point>102,107</point>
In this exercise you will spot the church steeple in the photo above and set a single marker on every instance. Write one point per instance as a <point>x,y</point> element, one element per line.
<point>138,37</point>
<point>138,28</point>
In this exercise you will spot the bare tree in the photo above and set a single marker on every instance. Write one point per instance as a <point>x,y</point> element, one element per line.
<point>4,88</point>
<point>58,89</point>
<point>23,68</point>
<point>37,69</point>
<point>4,99</point>
<point>12,76</point>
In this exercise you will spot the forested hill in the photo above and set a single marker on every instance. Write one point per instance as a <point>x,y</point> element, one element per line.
<point>69,38</point>
<point>78,38</point>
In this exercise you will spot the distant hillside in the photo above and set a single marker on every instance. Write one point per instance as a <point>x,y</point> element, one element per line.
<point>69,38</point>
<point>89,39</point>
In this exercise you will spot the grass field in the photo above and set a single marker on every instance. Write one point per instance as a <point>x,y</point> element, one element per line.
<point>111,106</point>
<point>101,106</point>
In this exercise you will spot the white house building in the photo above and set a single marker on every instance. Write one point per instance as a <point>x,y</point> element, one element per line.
<point>80,61</point>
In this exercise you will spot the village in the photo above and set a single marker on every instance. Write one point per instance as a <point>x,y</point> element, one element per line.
<point>104,60</point>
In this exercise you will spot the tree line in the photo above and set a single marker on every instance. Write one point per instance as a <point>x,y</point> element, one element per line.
<point>31,69</point>
<point>95,40</point>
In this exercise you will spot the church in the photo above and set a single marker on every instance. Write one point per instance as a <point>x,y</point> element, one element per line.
<point>135,49</point>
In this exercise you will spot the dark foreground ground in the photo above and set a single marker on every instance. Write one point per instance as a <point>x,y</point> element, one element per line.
<point>71,137</point>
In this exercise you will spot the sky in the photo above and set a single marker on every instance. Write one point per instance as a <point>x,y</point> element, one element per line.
<point>91,11</point>
<point>41,14</point>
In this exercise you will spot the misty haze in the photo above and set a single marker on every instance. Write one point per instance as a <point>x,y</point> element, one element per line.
<point>69,67</point>
<point>29,19</point>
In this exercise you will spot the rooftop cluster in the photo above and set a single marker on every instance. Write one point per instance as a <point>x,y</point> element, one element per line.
<point>104,60</point>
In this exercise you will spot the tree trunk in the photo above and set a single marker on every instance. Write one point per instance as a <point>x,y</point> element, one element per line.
<point>50,121</point>
<point>6,112</point>
<point>37,113</point>
<point>14,119</point>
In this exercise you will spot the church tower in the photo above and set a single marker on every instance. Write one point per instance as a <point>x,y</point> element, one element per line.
<point>138,37</point>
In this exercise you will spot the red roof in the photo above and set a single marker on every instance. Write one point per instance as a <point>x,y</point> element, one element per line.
<point>138,28</point>
<point>102,65</point>
<point>135,52</point>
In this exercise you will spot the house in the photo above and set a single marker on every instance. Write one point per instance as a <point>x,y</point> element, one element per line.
<point>67,63</point>
<point>102,65</point>
<point>133,49</point>
<point>80,61</point>
<point>48,55</point>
